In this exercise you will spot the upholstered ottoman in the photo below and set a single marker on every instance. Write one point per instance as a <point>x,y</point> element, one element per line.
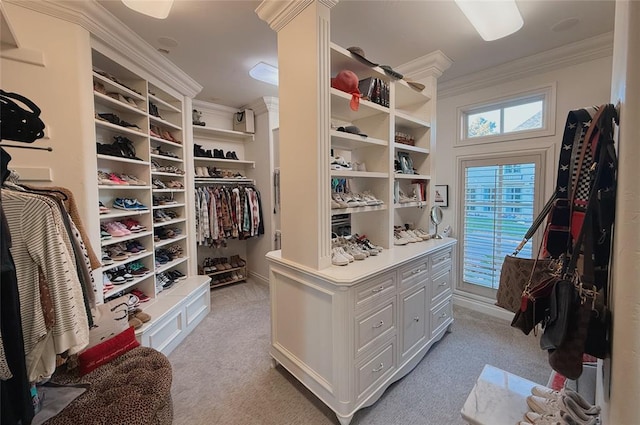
<point>134,388</point>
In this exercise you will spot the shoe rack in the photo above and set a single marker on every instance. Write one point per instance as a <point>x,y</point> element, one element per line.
<point>407,119</point>
<point>153,120</point>
<point>215,147</point>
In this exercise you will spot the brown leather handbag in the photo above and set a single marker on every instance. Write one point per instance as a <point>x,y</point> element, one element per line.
<point>518,273</point>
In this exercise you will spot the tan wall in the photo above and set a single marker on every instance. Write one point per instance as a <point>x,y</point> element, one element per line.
<point>62,90</point>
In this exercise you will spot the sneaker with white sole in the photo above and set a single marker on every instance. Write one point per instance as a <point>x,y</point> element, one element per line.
<point>337,259</point>
<point>542,406</point>
<point>546,392</point>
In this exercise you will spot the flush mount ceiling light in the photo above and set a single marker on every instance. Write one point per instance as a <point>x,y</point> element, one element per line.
<point>265,73</point>
<point>492,19</point>
<point>155,8</point>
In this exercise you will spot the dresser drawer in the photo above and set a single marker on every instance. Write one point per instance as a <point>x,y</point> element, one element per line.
<point>376,368</point>
<point>375,291</point>
<point>373,325</point>
<point>440,285</point>
<point>441,316</point>
<point>414,325</point>
<point>441,259</point>
<point>414,273</point>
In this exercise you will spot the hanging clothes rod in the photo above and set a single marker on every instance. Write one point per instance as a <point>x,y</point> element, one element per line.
<point>223,181</point>
<point>48,148</point>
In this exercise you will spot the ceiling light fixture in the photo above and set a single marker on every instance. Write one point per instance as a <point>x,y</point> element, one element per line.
<point>265,73</point>
<point>492,19</point>
<point>155,8</point>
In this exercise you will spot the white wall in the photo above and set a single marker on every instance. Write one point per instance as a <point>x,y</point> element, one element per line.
<point>262,151</point>
<point>62,90</point>
<point>621,406</point>
<point>577,86</point>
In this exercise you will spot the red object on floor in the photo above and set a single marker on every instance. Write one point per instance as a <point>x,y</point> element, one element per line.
<point>557,381</point>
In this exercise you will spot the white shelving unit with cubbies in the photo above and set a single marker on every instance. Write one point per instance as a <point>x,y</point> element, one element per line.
<point>220,160</point>
<point>394,305</point>
<point>140,159</point>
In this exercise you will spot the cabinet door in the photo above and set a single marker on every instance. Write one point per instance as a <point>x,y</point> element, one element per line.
<point>414,326</point>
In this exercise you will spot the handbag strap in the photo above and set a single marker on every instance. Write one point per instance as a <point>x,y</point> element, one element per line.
<point>606,132</point>
<point>536,223</point>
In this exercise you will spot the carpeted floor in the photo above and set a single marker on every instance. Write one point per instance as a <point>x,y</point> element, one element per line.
<point>222,371</point>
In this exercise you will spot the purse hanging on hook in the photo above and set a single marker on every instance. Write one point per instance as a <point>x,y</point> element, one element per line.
<point>17,123</point>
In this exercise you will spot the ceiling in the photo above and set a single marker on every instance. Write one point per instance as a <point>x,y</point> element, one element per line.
<point>217,42</point>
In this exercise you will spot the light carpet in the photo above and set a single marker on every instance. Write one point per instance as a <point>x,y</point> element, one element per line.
<point>222,372</point>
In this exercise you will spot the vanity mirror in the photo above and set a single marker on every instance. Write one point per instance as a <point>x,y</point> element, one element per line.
<point>436,219</point>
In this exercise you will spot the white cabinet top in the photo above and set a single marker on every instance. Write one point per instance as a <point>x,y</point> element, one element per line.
<point>361,270</point>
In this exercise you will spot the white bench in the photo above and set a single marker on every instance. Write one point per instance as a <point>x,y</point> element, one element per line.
<point>497,398</point>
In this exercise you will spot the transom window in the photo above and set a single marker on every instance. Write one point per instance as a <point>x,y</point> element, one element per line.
<point>519,116</point>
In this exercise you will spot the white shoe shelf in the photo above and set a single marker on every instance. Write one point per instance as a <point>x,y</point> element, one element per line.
<point>175,311</point>
<point>392,307</point>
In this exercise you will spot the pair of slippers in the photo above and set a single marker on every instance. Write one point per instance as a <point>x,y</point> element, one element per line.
<point>137,318</point>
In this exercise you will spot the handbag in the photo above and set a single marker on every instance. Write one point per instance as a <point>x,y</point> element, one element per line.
<point>18,123</point>
<point>561,302</point>
<point>534,305</point>
<point>517,273</point>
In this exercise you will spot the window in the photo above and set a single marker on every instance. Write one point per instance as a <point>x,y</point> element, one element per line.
<point>499,196</point>
<point>519,116</point>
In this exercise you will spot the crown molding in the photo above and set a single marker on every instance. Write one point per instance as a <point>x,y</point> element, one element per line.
<point>430,65</point>
<point>213,108</point>
<point>106,27</point>
<point>264,104</point>
<point>278,13</point>
<point>597,47</point>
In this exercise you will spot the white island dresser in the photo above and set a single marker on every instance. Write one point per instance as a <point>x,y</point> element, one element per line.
<point>347,333</point>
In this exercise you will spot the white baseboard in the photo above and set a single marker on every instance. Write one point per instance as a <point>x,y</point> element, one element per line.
<point>481,305</point>
<point>259,278</point>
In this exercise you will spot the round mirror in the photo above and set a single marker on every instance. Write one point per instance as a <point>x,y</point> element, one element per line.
<point>436,219</point>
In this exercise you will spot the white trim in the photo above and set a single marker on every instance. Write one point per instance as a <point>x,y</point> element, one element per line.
<point>481,305</point>
<point>259,278</point>
<point>548,94</point>
<point>541,156</point>
<point>278,13</point>
<point>105,27</point>
<point>430,65</point>
<point>597,47</point>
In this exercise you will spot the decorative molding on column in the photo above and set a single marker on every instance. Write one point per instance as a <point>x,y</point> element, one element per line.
<point>263,105</point>
<point>91,16</point>
<point>431,65</point>
<point>213,108</point>
<point>278,13</point>
<point>324,140</point>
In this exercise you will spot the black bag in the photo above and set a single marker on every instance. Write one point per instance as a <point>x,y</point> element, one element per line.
<point>561,301</point>
<point>17,123</point>
<point>534,306</point>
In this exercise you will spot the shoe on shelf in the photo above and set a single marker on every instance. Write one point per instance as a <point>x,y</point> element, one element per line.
<point>141,295</point>
<point>103,209</point>
<point>337,259</point>
<point>106,259</point>
<point>128,204</point>
<point>137,269</point>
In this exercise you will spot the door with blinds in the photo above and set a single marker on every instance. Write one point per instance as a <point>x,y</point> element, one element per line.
<point>499,200</point>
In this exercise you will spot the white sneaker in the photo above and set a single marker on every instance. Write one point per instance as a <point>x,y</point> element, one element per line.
<point>559,417</point>
<point>566,404</point>
<point>337,259</point>
<point>546,392</point>
<point>399,240</point>
<point>345,254</point>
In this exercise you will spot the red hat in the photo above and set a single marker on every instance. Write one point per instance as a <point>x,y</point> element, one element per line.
<point>347,81</point>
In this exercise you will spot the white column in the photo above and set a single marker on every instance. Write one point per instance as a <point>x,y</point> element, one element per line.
<point>624,366</point>
<point>304,73</point>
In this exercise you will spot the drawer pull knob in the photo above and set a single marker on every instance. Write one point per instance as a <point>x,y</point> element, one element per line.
<point>417,319</point>
<point>443,316</point>
<point>417,271</point>
<point>381,288</point>
<point>443,284</point>
<point>379,324</point>
<point>379,368</point>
